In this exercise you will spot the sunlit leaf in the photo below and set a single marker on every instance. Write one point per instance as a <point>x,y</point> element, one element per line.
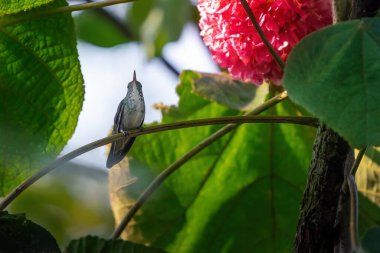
<point>41,93</point>
<point>14,6</point>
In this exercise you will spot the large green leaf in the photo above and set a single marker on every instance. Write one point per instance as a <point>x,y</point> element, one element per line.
<point>41,93</point>
<point>92,244</point>
<point>157,22</point>
<point>241,194</point>
<point>335,74</point>
<point>17,234</point>
<point>14,6</point>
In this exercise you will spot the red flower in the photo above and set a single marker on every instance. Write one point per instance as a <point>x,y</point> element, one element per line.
<point>235,44</point>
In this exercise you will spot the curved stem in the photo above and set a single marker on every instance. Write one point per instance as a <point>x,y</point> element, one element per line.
<point>354,202</point>
<point>177,164</point>
<point>154,129</point>
<point>61,10</point>
<point>269,46</point>
<point>29,181</point>
<point>354,212</point>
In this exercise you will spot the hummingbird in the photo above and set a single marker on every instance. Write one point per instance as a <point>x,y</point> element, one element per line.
<point>130,115</point>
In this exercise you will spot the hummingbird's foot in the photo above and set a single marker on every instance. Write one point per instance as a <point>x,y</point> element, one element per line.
<point>124,132</point>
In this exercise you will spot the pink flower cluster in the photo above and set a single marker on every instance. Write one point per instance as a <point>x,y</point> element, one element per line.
<point>235,44</point>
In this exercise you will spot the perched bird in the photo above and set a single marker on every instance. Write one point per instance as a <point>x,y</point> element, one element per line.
<point>130,115</point>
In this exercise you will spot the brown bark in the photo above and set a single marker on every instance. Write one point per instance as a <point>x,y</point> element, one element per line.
<point>323,225</point>
<point>332,157</point>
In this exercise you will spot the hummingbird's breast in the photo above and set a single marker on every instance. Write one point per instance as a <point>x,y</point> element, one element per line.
<point>134,109</point>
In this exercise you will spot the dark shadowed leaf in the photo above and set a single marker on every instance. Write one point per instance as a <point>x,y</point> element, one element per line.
<point>92,244</point>
<point>371,240</point>
<point>334,73</point>
<point>17,234</point>
<point>41,93</point>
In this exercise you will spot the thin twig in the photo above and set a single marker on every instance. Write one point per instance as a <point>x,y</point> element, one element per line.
<point>358,159</point>
<point>61,10</point>
<point>269,46</point>
<point>308,121</point>
<point>354,201</point>
<point>354,212</point>
<point>178,163</point>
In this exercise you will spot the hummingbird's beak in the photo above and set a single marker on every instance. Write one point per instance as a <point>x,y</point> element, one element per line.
<point>134,76</point>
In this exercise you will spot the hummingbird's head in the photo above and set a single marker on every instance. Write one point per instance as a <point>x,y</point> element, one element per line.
<point>134,83</point>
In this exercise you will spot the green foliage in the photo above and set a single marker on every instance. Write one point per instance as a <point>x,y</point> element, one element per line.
<point>225,90</point>
<point>41,93</point>
<point>70,201</point>
<point>17,234</point>
<point>92,244</point>
<point>14,6</point>
<point>93,27</point>
<point>370,241</point>
<point>241,194</point>
<point>157,22</point>
<point>369,214</point>
<point>334,73</point>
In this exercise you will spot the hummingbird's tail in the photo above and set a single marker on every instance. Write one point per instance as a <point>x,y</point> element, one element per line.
<point>118,151</point>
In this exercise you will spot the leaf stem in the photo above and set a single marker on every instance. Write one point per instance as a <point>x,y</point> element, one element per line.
<point>358,159</point>
<point>61,10</point>
<point>266,42</point>
<point>178,163</point>
<point>354,202</point>
<point>308,121</point>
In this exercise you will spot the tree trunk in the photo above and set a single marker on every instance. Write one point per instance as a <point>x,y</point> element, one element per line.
<point>332,158</point>
<point>324,217</point>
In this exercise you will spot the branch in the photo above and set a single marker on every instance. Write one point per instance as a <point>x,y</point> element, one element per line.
<point>177,164</point>
<point>308,121</point>
<point>62,10</point>
<point>269,46</point>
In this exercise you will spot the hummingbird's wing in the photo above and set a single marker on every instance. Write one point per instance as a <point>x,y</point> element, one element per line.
<point>120,148</point>
<point>118,151</point>
<point>118,117</point>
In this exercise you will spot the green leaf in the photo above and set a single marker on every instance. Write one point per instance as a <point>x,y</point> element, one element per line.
<point>157,22</point>
<point>371,240</point>
<point>225,90</point>
<point>334,73</point>
<point>92,244</point>
<point>41,93</point>
<point>241,194</point>
<point>17,234</point>
<point>369,214</point>
<point>95,28</point>
<point>14,6</point>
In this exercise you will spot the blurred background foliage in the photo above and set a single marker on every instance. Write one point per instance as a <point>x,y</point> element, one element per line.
<point>70,202</point>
